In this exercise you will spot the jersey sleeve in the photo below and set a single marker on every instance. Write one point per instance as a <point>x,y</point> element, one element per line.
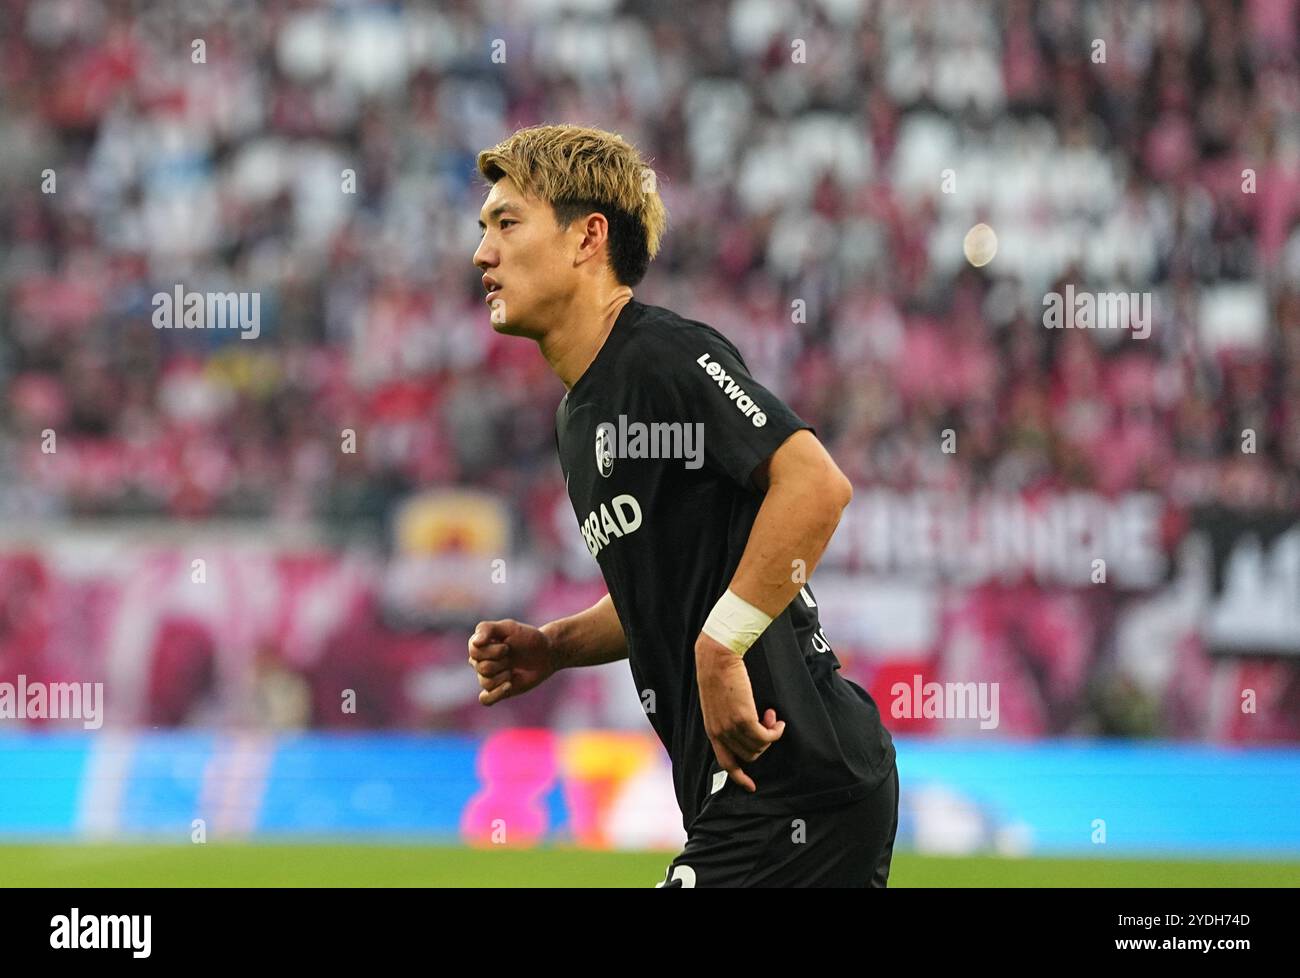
<point>701,378</point>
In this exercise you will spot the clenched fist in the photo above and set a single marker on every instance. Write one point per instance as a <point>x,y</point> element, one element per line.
<point>510,658</point>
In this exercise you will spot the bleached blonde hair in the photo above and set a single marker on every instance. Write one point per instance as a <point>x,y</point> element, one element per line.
<point>579,170</point>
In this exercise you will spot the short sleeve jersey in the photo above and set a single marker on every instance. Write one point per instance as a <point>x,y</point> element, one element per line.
<point>658,440</point>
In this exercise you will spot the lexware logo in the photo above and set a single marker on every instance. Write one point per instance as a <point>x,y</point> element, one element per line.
<point>744,403</point>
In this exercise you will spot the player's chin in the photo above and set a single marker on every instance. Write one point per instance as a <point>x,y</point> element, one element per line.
<point>509,327</point>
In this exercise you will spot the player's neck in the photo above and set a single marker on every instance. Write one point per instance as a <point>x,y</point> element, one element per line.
<point>571,346</point>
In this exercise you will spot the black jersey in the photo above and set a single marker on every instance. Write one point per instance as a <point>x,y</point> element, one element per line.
<point>668,534</point>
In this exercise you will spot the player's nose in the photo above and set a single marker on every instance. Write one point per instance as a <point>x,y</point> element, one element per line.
<point>484,256</point>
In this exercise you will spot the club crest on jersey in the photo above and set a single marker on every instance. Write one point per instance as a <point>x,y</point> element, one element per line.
<point>604,451</point>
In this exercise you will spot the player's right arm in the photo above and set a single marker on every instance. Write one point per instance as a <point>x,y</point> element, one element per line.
<point>511,658</point>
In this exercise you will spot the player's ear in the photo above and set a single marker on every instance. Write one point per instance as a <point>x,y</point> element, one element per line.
<point>595,233</point>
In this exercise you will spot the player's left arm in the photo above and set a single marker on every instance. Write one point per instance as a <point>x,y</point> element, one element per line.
<point>805,495</point>
<point>755,441</point>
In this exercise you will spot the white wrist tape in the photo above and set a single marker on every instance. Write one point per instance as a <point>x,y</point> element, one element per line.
<point>735,623</point>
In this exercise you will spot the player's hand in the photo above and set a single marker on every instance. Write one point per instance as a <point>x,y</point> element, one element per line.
<point>509,658</point>
<point>730,716</point>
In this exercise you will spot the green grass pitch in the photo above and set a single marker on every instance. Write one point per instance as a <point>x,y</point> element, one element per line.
<point>371,864</point>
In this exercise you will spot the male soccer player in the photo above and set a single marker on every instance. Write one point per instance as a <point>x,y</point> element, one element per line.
<point>784,773</point>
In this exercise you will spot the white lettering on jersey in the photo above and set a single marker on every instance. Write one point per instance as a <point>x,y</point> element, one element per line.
<point>602,525</point>
<point>744,403</point>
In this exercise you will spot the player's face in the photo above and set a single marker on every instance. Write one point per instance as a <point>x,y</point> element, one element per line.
<point>522,256</point>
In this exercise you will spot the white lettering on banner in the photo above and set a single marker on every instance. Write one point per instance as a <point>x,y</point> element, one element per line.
<point>603,525</point>
<point>927,536</point>
<point>1255,608</point>
<point>744,403</point>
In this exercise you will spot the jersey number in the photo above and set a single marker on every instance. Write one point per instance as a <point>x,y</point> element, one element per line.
<point>682,874</point>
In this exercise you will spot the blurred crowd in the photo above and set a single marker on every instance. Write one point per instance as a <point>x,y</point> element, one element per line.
<point>820,162</point>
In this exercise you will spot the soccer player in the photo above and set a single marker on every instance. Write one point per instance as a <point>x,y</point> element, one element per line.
<point>784,773</point>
